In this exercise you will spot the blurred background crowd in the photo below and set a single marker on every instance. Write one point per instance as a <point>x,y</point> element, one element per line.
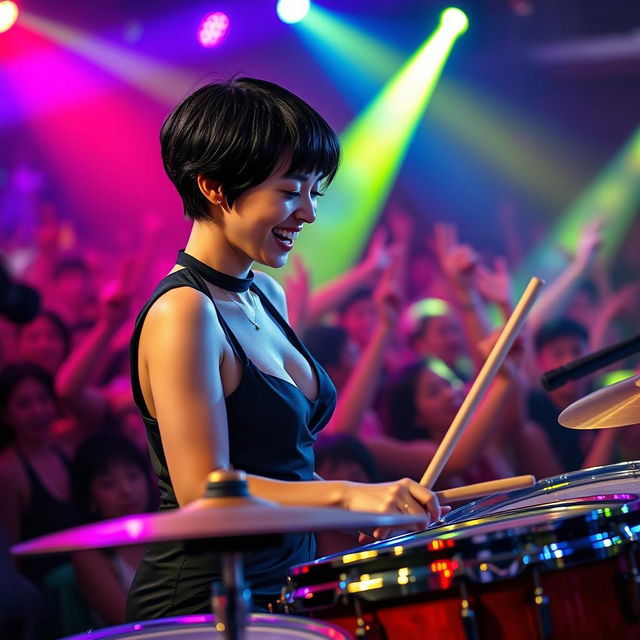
<point>397,289</point>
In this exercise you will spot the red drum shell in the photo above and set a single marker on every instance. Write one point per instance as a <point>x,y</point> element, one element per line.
<point>577,558</point>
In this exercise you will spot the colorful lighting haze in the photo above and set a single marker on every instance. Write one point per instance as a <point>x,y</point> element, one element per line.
<point>159,80</point>
<point>8,15</point>
<point>541,161</point>
<point>213,29</point>
<point>292,11</point>
<point>613,197</point>
<point>374,146</point>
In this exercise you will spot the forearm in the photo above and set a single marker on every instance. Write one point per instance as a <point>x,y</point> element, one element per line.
<point>358,393</point>
<point>331,295</point>
<point>482,426</point>
<point>399,458</point>
<point>555,296</point>
<point>315,493</point>
<point>77,370</point>
<point>475,323</point>
<point>602,451</point>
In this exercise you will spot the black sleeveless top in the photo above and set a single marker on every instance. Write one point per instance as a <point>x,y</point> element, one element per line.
<point>45,514</point>
<point>272,427</point>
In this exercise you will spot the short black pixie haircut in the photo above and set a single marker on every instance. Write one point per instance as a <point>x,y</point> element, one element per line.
<point>237,132</point>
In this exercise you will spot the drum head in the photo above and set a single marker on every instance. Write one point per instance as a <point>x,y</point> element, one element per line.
<point>260,627</point>
<point>611,484</point>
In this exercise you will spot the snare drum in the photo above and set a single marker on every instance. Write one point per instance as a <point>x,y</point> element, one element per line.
<point>260,627</point>
<point>542,572</point>
<point>612,483</point>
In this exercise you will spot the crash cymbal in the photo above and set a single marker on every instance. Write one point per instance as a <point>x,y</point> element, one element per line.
<point>615,406</point>
<point>209,518</point>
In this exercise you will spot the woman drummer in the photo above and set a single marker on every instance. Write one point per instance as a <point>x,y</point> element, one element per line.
<point>218,374</point>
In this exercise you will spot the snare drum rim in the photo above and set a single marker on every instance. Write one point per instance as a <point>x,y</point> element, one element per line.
<point>548,486</point>
<point>126,631</point>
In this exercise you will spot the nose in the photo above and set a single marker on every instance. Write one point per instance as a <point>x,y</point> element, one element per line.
<point>306,212</point>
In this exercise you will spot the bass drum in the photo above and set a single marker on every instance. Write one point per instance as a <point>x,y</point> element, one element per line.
<point>561,572</point>
<point>260,627</point>
<point>615,483</point>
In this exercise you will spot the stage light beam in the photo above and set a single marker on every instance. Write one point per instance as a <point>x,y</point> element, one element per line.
<point>8,15</point>
<point>374,146</point>
<point>292,11</point>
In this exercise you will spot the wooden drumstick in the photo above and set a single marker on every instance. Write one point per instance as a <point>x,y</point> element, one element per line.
<point>482,381</point>
<point>480,489</point>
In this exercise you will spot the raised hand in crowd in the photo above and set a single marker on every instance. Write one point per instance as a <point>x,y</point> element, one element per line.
<point>555,297</point>
<point>459,264</point>
<point>495,285</point>
<point>356,396</point>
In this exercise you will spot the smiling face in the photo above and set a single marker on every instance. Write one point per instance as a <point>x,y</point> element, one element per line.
<point>264,221</point>
<point>436,402</point>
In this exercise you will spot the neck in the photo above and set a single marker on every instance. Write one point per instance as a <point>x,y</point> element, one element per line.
<point>207,244</point>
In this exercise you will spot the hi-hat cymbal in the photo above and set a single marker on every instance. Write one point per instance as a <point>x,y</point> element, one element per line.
<point>209,518</point>
<point>615,406</point>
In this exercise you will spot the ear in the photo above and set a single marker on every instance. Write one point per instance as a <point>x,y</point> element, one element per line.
<point>212,190</point>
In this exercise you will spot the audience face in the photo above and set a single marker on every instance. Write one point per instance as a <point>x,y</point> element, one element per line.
<point>359,321</point>
<point>436,403</point>
<point>121,490</point>
<point>30,411</point>
<point>40,342</point>
<point>442,338</point>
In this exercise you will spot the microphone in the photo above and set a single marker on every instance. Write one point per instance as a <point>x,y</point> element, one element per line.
<point>588,364</point>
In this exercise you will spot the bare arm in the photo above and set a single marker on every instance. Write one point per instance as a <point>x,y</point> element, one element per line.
<point>331,295</point>
<point>356,397</point>
<point>458,263</point>
<point>99,585</point>
<point>556,294</point>
<point>603,450</point>
<point>182,348</point>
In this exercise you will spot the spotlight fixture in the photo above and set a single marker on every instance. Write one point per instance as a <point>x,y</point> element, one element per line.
<point>292,11</point>
<point>213,29</point>
<point>8,15</point>
<point>454,19</point>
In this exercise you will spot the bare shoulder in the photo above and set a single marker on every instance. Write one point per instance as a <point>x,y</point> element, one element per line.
<point>181,319</point>
<point>273,290</point>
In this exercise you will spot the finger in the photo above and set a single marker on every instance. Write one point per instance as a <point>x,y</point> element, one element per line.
<point>426,498</point>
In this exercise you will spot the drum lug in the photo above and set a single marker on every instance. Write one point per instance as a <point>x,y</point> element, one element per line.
<point>368,630</point>
<point>468,615</point>
<point>542,606</point>
<point>629,590</point>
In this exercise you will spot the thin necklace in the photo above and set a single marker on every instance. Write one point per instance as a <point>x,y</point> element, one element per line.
<point>241,307</point>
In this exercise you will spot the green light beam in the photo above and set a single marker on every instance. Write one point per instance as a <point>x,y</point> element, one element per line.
<point>613,197</point>
<point>374,146</point>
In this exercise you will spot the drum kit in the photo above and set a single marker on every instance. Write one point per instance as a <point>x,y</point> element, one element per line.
<point>549,560</point>
<point>554,560</point>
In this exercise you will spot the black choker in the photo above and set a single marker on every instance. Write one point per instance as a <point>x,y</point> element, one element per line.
<point>219,279</point>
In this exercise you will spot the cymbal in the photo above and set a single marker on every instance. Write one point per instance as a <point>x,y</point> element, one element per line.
<point>209,518</point>
<point>615,406</point>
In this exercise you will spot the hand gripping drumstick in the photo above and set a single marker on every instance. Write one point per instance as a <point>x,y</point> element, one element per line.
<point>482,382</point>
<point>480,489</point>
